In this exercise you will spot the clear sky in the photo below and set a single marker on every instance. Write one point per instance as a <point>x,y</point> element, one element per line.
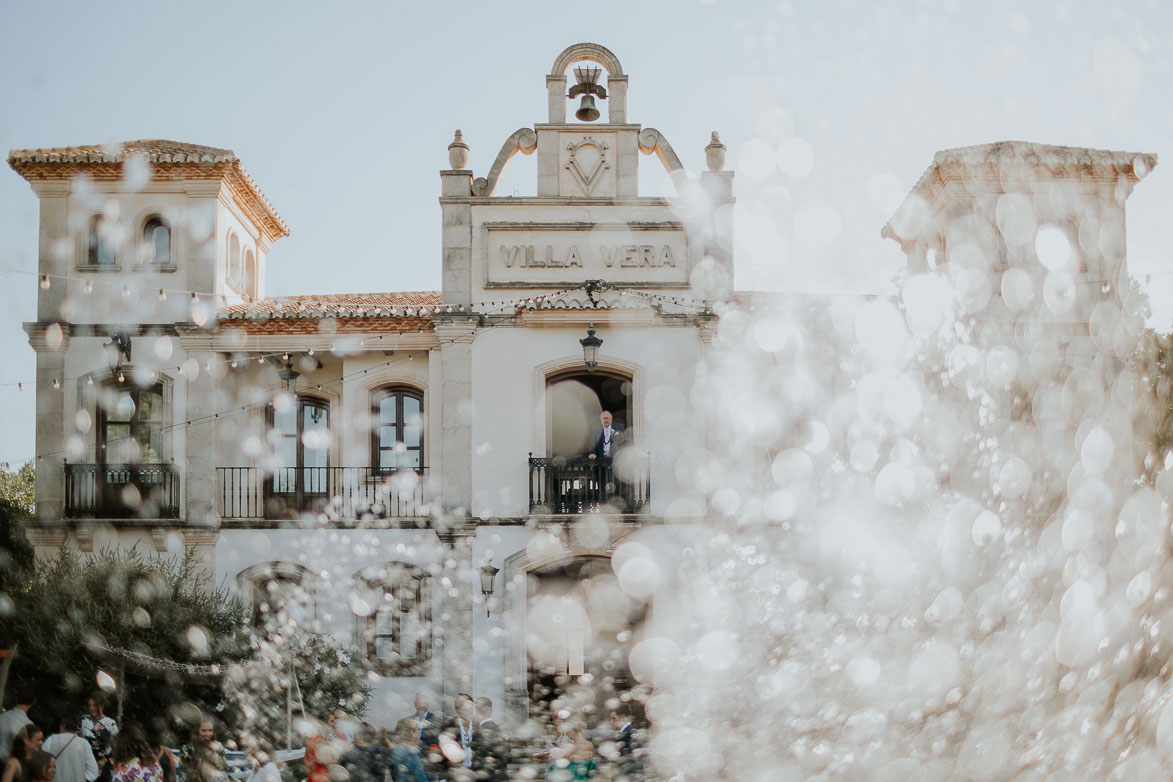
<point>342,113</point>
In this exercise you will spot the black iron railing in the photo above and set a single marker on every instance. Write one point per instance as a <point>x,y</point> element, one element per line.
<point>340,492</point>
<point>581,485</point>
<point>120,491</point>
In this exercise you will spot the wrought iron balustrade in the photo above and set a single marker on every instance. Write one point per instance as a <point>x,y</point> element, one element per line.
<point>580,485</point>
<point>120,491</point>
<point>342,492</point>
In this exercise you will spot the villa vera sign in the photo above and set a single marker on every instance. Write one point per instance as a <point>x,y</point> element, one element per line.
<point>651,254</point>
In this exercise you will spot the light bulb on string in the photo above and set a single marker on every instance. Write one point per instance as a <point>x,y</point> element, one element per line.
<point>56,383</point>
<point>88,287</point>
<point>89,380</point>
<point>44,282</point>
<point>121,377</point>
<point>162,295</point>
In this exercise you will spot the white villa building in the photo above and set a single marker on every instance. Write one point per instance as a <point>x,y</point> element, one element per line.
<point>367,462</point>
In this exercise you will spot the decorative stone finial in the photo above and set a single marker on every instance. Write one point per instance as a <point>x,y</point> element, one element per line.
<point>714,154</point>
<point>458,153</point>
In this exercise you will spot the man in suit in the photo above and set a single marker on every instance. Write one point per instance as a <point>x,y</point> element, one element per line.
<point>610,438</point>
<point>490,754</point>
<point>621,722</point>
<point>427,730</point>
<point>455,740</point>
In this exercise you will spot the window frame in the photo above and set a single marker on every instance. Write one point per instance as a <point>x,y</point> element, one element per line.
<point>103,420</point>
<point>92,244</point>
<point>254,582</point>
<point>399,391</point>
<point>152,221</point>
<point>394,577</point>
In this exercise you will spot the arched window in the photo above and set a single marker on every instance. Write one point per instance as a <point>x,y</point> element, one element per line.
<point>396,630</point>
<point>250,274</point>
<point>100,243</point>
<point>157,242</point>
<point>281,595</point>
<point>234,261</point>
<point>398,432</point>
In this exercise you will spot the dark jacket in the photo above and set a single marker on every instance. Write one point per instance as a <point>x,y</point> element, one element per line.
<point>366,764</point>
<point>618,435</point>
<point>490,752</point>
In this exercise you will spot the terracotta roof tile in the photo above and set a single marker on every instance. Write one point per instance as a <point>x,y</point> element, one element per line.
<point>156,150</point>
<point>338,305</point>
<point>174,157</point>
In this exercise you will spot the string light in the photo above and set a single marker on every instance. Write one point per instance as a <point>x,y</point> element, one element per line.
<point>121,377</point>
<point>162,295</point>
<point>88,287</point>
<point>56,383</point>
<point>44,282</point>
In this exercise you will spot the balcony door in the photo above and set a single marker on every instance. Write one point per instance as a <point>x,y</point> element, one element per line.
<point>574,401</point>
<point>301,479</point>
<point>131,476</point>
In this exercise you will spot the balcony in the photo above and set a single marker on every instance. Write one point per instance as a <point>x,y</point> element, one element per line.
<point>562,485</point>
<point>348,493</point>
<point>121,491</point>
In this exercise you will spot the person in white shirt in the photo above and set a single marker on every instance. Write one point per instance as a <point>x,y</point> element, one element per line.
<point>14,720</point>
<point>264,768</point>
<point>75,758</point>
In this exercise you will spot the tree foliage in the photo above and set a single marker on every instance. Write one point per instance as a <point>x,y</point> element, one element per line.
<point>155,626</point>
<point>70,612</point>
<point>16,506</point>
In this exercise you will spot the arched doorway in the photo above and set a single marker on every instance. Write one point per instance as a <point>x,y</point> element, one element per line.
<point>580,627</point>
<point>574,400</point>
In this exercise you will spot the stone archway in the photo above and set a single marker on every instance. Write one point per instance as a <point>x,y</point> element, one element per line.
<point>575,631</point>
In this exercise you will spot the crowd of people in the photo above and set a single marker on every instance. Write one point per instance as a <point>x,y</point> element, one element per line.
<point>470,746</point>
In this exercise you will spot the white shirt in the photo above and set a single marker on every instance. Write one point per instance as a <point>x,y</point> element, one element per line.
<point>11,722</point>
<point>265,773</point>
<point>466,741</point>
<point>75,759</point>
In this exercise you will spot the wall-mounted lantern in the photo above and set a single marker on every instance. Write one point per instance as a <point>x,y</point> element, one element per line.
<point>488,576</point>
<point>289,377</point>
<point>590,348</point>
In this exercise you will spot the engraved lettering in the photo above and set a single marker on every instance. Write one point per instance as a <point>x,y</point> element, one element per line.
<point>666,258</point>
<point>529,255</point>
<point>572,258</point>
<point>610,252</point>
<point>510,254</point>
<point>647,255</point>
<point>630,255</point>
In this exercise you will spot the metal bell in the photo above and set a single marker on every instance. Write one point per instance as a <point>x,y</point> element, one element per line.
<point>587,111</point>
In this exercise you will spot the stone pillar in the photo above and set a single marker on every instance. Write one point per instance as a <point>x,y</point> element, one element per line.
<point>556,96</point>
<point>56,248</point>
<point>549,177</point>
<point>456,607</point>
<point>455,334</point>
<point>200,544</point>
<point>50,447</point>
<point>718,188</point>
<point>616,99</point>
<point>199,478</point>
<point>457,236</point>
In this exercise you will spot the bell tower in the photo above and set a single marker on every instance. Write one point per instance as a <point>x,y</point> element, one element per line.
<point>587,221</point>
